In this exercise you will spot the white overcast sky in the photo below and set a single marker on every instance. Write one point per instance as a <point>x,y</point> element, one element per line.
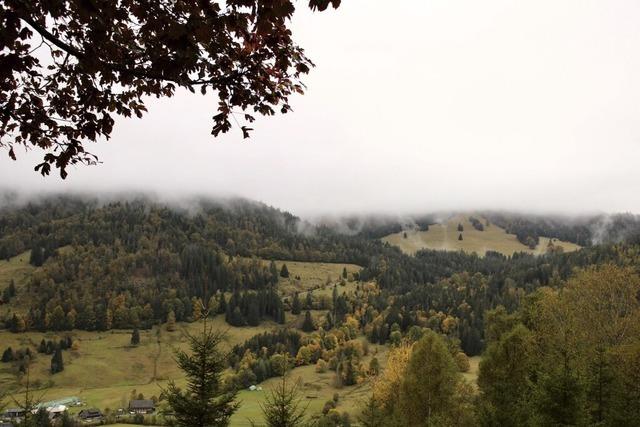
<point>413,106</point>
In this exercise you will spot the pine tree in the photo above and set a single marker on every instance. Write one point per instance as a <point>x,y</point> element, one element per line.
<point>460,236</point>
<point>135,337</point>
<point>296,305</point>
<point>308,325</point>
<point>7,356</point>
<point>372,415</point>
<point>66,420</point>
<point>282,408</point>
<point>344,273</point>
<point>203,403</point>
<point>253,316</point>
<point>17,324</point>
<point>37,258</point>
<point>222,304</point>
<point>506,365</point>
<point>308,303</point>
<point>57,364</point>
<point>284,271</point>
<point>273,271</point>
<point>29,404</point>
<point>9,292</point>
<point>40,419</point>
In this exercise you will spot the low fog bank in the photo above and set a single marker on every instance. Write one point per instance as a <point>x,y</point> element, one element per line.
<point>586,228</point>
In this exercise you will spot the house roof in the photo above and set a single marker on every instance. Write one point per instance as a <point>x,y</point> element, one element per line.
<point>90,412</point>
<point>142,404</point>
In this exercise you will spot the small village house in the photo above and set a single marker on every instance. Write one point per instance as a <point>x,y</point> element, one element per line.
<point>91,414</point>
<point>142,406</point>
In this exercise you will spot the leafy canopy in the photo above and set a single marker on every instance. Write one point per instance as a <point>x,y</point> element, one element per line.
<point>67,68</point>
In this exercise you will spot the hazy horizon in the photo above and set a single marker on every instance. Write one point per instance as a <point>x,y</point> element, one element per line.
<point>455,106</point>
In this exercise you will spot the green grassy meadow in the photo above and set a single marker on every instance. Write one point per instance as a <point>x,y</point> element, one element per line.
<point>444,236</point>
<point>304,276</point>
<point>105,370</point>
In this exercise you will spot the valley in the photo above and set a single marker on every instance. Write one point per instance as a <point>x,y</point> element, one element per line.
<point>99,300</point>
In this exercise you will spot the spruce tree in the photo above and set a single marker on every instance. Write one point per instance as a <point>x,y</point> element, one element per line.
<point>203,403</point>
<point>9,292</point>
<point>282,408</point>
<point>40,419</point>
<point>57,364</point>
<point>372,415</point>
<point>222,304</point>
<point>308,325</point>
<point>135,337</point>
<point>460,236</point>
<point>506,365</point>
<point>344,273</point>
<point>7,356</point>
<point>66,420</point>
<point>37,258</point>
<point>273,271</point>
<point>253,316</point>
<point>308,303</point>
<point>284,271</point>
<point>296,305</point>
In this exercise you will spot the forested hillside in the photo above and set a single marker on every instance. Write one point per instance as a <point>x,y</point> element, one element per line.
<point>72,263</point>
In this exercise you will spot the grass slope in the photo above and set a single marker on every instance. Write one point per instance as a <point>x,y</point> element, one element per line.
<point>16,268</point>
<point>19,270</point>
<point>315,390</point>
<point>312,275</point>
<point>106,369</point>
<point>444,236</point>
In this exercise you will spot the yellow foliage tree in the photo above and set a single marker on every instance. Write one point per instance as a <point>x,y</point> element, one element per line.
<point>386,387</point>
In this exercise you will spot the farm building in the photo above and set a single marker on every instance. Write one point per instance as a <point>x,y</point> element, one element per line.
<point>91,414</point>
<point>56,412</point>
<point>143,406</point>
<point>13,413</point>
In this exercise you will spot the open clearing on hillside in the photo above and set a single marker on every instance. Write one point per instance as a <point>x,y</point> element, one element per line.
<point>444,236</point>
<point>315,390</point>
<point>106,370</point>
<point>17,269</point>
<point>312,275</point>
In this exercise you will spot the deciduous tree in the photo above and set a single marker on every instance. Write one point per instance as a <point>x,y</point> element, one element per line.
<point>69,68</point>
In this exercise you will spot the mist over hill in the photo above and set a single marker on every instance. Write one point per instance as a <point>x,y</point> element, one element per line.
<point>318,290</point>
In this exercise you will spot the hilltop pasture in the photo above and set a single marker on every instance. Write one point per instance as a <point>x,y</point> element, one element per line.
<point>444,236</point>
